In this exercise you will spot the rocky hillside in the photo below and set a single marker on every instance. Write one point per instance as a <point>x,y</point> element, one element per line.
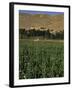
<point>39,21</point>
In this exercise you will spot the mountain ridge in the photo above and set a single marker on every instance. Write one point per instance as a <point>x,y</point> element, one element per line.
<point>36,21</point>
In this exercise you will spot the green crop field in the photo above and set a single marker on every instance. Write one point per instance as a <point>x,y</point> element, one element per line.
<point>41,59</point>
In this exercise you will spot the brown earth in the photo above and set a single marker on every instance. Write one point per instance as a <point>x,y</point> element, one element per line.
<point>38,21</point>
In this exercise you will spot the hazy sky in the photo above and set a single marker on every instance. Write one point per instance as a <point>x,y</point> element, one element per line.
<point>40,12</point>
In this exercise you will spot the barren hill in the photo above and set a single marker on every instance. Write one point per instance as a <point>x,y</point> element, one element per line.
<point>37,21</point>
